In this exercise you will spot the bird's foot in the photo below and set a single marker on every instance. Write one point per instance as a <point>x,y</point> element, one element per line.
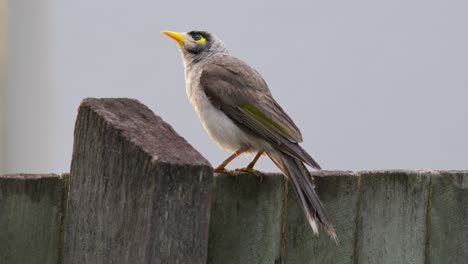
<point>251,171</point>
<point>225,171</point>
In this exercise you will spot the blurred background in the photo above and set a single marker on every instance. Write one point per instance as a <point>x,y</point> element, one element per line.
<point>371,84</point>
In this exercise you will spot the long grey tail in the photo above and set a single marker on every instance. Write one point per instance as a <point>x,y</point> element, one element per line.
<point>301,181</point>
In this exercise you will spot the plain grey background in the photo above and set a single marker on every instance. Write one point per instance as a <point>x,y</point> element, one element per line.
<point>371,84</point>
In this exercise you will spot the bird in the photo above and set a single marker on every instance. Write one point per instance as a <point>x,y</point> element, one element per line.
<point>238,111</point>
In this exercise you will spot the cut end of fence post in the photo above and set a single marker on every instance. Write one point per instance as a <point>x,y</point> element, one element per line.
<point>139,193</point>
<point>140,126</point>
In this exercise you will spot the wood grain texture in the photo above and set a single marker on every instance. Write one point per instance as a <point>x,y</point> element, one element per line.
<point>392,217</point>
<point>139,193</point>
<point>246,219</point>
<point>31,218</point>
<point>339,194</point>
<point>448,221</point>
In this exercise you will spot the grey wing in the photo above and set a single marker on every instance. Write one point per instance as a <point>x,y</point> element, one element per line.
<point>242,94</point>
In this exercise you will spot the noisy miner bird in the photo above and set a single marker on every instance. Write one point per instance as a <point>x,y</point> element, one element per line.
<point>239,113</point>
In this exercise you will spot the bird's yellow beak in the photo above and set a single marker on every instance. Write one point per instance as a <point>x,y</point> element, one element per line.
<point>178,37</point>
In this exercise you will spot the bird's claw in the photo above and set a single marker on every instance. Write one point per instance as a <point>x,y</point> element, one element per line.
<point>251,171</point>
<point>225,171</point>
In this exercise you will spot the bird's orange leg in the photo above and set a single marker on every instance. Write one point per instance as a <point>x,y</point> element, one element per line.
<point>222,167</point>
<point>255,159</point>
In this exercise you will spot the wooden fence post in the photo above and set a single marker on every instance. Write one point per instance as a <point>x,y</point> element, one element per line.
<point>339,192</point>
<point>392,217</point>
<point>448,218</point>
<point>246,219</point>
<point>139,193</point>
<point>31,218</point>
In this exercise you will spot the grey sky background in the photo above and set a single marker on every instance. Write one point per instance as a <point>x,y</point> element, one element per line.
<point>371,84</point>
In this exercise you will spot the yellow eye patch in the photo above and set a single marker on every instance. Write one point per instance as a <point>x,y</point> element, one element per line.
<point>200,39</point>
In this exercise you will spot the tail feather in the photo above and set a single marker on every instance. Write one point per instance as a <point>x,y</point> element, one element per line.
<point>302,184</point>
<point>295,150</point>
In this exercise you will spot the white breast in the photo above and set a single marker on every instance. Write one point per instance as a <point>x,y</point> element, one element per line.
<point>220,127</point>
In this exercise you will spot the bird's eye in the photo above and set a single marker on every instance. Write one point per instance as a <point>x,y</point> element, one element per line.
<point>197,36</point>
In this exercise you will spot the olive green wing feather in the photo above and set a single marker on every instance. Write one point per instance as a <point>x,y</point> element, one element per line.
<point>242,94</point>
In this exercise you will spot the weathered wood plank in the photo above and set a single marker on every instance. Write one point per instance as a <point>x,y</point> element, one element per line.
<point>392,217</point>
<point>246,219</point>
<point>139,193</point>
<point>448,219</point>
<point>31,217</point>
<point>339,194</point>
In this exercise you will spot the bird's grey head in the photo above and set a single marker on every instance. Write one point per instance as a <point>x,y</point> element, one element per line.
<point>197,46</point>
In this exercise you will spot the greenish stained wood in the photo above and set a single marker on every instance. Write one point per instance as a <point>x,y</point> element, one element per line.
<point>339,194</point>
<point>31,218</point>
<point>380,217</point>
<point>246,219</point>
<point>392,217</point>
<point>448,222</point>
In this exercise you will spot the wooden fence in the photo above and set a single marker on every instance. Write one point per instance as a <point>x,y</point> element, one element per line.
<point>139,193</point>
